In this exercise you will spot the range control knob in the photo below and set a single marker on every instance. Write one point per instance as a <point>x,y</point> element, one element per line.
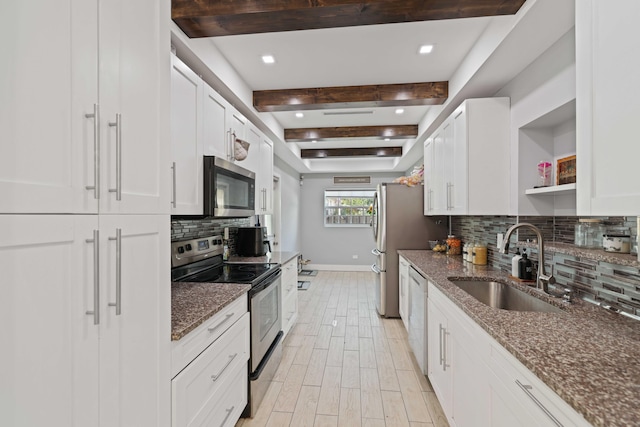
<point>180,249</point>
<point>188,246</point>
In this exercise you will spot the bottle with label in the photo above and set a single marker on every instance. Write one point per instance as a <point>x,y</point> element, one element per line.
<point>515,264</point>
<point>225,251</point>
<point>526,267</point>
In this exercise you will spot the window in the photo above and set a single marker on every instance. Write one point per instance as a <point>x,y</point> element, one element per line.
<point>348,208</point>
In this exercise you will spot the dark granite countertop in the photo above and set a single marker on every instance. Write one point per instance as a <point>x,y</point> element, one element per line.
<point>271,257</point>
<point>587,355</point>
<point>193,303</point>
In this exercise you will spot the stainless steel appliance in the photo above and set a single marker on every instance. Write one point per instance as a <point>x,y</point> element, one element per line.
<point>229,190</point>
<point>398,223</point>
<point>252,241</point>
<point>200,260</point>
<point>418,318</point>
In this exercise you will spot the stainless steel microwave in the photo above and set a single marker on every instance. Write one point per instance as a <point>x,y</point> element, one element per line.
<point>229,190</point>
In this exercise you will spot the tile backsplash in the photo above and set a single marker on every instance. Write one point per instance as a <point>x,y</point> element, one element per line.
<point>185,229</point>
<point>617,285</point>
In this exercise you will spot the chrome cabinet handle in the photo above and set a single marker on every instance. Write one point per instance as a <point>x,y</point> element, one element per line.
<point>96,277</point>
<point>224,368</point>
<point>118,126</point>
<point>226,319</point>
<point>440,342</point>
<point>264,199</point>
<point>174,197</point>
<point>229,412</point>
<point>118,303</point>
<point>232,139</point>
<point>444,349</point>
<point>96,152</point>
<point>526,388</point>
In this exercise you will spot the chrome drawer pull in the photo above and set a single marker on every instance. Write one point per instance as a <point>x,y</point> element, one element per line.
<point>526,388</point>
<point>229,411</point>
<point>227,317</point>
<point>216,376</point>
<point>118,303</point>
<point>440,342</point>
<point>118,125</point>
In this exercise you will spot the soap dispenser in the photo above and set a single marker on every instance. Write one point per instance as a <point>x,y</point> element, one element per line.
<point>526,267</point>
<point>515,264</point>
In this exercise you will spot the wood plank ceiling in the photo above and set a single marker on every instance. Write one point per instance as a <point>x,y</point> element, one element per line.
<point>200,18</point>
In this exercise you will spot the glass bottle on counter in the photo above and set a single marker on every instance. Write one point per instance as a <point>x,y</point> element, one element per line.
<point>588,233</point>
<point>480,254</point>
<point>454,245</point>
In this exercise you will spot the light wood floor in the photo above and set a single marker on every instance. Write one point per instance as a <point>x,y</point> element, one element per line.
<point>343,365</point>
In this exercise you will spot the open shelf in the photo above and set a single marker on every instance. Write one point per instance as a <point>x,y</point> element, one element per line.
<point>553,190</point>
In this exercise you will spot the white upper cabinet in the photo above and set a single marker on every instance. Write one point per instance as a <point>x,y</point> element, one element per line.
<point>48,90</point>
<point>265,182</point>
<point>82,101</point>
<point>186,139</point>
<point>428,176</point>
<point>133,70</point>
<point>216,133</point>
<point>607,107</point>
<point>470,161</point>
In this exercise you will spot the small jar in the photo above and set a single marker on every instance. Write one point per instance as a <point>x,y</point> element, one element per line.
<point>588,233</point>
<point>454,245</point>
<point>469,257</point>
<point>618,240</point>
<point>480,254</point>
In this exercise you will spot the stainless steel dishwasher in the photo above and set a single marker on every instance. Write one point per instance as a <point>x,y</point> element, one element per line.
<point>418,317</point>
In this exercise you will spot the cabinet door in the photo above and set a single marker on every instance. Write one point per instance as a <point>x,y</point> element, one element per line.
<point>216,133</point>
<point>135,325</point>
<point>457,159</point>
<point>48,86</point>
<point>266,176</point>
<point>439,197</point>
<point>49,358</point>
<point>186,139</point>
<point>134,74</point>
<point>439,359</point>
<point>608,107</point>
<point>429,174</point>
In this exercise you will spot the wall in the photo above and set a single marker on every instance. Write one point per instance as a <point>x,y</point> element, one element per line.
<point>616,284</point>
<point>290,207</point>
<point>334,247</point>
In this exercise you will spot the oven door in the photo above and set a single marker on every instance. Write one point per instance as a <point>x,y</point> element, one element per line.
<point>266,322</point>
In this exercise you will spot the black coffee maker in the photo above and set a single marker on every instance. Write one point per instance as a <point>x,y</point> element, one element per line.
<point>252,241</point>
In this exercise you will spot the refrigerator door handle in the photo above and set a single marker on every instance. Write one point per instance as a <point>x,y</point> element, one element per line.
<point>375,269</point>
<point>376,252</point>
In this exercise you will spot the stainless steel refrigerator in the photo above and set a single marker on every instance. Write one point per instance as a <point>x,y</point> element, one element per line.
<point>399,223</point>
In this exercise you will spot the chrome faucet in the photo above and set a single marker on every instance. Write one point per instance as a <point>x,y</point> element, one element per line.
<point>542,280</point>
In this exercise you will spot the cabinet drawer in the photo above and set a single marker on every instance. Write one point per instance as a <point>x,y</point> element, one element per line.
<point>226,408</point>
<point>289,278</point>
<point>207,381</point>
<point>523,386</point>
<point>186,349</point>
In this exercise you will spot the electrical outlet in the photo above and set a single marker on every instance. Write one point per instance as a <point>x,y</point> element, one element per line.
<point>499,239</point>
<point>355,257</point>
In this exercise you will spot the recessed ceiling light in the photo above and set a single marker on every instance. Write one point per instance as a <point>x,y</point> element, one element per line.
<point>387,139</point>
<point>426,48</point>
<point>268,59</point>
<point>299,115</point>
<point>314,141</point>
<point>399,110</point>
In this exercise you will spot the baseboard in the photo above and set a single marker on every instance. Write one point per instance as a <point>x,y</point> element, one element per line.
<point>333,267</point>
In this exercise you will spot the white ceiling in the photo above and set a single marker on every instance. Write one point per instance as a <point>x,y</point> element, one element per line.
<point>367,55</point>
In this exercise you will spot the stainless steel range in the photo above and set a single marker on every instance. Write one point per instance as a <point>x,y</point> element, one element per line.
<point>200,260</point>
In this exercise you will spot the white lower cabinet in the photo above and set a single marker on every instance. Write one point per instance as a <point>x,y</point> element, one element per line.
<point>403,285</point>
<point>211,386</point>
<point>478,382</point>
<point>289,295</point>
<point>85,319</point>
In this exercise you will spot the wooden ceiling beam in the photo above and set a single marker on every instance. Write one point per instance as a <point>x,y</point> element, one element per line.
<point>223,18</point>
<point>369,132</point>
<point>322,98</point>
<point>351,152</point>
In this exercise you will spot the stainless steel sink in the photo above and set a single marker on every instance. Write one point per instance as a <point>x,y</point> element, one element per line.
<point>498,295</point>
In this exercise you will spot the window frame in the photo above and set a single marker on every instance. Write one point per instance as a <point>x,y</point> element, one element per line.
<point>350,215</point>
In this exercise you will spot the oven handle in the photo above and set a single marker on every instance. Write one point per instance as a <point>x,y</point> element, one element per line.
<point>256,374</point>
<point>265,283</point>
